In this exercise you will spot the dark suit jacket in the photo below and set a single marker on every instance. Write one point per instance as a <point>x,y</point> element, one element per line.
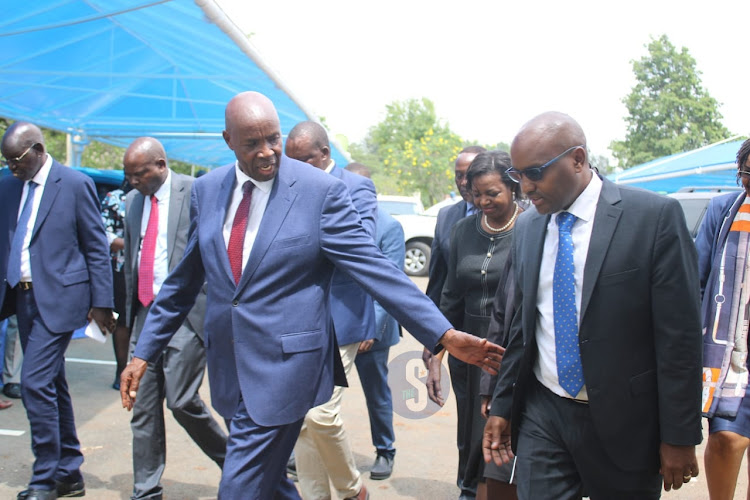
<point>441,246</point>
<point>70,261</point>
<point>178,225</point>
<point>351,307</point>
<point>268,339</point>
<point>640,329</point>
<point>390,240</point>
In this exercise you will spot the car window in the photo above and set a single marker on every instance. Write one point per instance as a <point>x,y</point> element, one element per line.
<point>399,207</point>
<point>694,210</point>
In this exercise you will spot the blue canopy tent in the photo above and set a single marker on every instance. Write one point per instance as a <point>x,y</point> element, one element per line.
<point>113,70</point>
<point>712,165</point>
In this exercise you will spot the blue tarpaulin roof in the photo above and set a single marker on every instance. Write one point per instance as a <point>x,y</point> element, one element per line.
<point>114,70</point>
<point>713,165</point>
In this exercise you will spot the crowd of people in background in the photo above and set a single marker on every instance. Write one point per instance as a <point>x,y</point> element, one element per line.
<point>586,332</point>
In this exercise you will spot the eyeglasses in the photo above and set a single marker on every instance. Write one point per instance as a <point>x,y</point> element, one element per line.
<point>535,174</point>
<point>17,159</point>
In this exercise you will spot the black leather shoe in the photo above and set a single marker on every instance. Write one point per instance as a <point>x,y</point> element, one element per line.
<point>32,494</point>
<point>12,390</point>
<point>67,490</point>
<point>382,468</point>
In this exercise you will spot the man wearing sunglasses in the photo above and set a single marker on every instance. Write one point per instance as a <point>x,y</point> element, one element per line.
<point>55,273</point>
<point>605,347</point>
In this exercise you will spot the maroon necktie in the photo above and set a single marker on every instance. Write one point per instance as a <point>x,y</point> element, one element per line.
<point>237,236</point>
<point>148,249</point>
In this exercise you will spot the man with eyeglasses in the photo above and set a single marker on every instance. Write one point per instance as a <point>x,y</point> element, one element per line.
<point>599,392</point>
<point>55,272</point>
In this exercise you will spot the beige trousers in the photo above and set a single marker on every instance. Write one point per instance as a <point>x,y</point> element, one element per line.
<point>322,452</point>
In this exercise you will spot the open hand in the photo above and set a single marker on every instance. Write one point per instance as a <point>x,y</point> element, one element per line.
<point>434,392</point>
<point>496,441</point>
<point>678,465</point>
<point>473,350</point>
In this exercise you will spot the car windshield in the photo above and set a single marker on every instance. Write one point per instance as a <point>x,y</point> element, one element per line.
<point>399,207</point>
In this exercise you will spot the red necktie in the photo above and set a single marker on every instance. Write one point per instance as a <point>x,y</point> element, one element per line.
<point>237,236</point>
<point>148,249</point>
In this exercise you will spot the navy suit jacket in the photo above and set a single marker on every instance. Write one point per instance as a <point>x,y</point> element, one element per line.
<point>70,263</point>
<point>390,240</point>
<point>268,339</point>
<point>441,248</point>
<point>351,307</point>
<point>640,328</point>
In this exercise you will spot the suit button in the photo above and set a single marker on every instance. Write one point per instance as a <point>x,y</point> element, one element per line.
<point>235,303</point>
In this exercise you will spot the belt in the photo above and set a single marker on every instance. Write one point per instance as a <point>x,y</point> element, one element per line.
<point>24,285</point>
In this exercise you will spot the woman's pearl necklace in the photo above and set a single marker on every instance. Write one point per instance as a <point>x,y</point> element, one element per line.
<point>506,226</point>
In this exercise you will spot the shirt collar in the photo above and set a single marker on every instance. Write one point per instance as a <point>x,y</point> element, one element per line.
<point>584,207</point>
<point>163,192</point>
<point>242,177</point>
<point>41,176</point>
<point>330,166</point>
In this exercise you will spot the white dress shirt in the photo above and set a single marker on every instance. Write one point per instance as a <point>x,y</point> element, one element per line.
<point>584,208</point>
<point>40,179</point>
<point>161,256</point>
<point>257,207</point>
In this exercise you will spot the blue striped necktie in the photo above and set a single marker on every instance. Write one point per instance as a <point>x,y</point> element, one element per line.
<point>16,246</point>
<point>569,369</point>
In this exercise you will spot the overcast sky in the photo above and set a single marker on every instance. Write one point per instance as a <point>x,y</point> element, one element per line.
<point>490,66</point>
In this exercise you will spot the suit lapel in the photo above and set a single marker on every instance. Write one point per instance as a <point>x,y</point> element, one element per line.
<point>51,188</point>
<point>176,200</point>
<point>12,214</point>
<point>280,201</point>
<point>532,250</point>
<point>133,220</point>
<point>216,220</point>
<point>605,222</point>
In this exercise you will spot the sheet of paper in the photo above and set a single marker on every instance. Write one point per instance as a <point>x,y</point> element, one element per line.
<point>93,331</point>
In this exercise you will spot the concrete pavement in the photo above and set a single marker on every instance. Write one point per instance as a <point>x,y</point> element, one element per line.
<point>425,460</point>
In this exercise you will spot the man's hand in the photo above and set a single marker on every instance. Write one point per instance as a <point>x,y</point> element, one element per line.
<point>496,441</point>
<point>678,465</point>
<point>426,356</point>
<point>365,346</point>
<point>117,245</point>
<point>434,369</point>
<point>130,379</point>
<point>473,350</point>
<point>103,318</point>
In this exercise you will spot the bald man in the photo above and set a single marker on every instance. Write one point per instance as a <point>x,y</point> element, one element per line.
<point>600,389</point>
<point>156,233</point>
<point>266,234</point>
<point>54,273</point>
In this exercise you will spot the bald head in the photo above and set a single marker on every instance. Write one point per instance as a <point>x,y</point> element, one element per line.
<point>308,142</point>
<point>556,142</point>
<point>253,132</point>
<point>359,169</point>
<point>145,165</point>
<point>23,147</point>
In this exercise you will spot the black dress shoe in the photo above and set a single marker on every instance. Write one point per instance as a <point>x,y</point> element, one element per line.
<point>12,390</point>
<point>382,468</point>
<point>32,494</point>
<point>67,490</point>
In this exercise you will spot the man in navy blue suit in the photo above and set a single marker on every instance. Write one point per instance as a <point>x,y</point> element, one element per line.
<point>266,234</point>
<point>372,357</point>
<point>323,454</point>
<point>55,270</point>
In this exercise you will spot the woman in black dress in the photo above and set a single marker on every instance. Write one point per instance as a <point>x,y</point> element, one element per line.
<point>480,245</point>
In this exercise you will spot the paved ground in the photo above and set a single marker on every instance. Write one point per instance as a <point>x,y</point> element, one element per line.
<point>425,462</point>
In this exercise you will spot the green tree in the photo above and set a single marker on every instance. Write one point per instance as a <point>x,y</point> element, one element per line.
<point>669,110</point>
<point>414,150</point>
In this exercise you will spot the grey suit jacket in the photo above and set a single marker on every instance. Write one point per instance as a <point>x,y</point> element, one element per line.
<point>178,227</point>
<point>640,329</point>
<point>441,245</point>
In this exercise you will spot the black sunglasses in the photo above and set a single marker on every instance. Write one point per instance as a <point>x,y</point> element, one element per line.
<point>535,174</point>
